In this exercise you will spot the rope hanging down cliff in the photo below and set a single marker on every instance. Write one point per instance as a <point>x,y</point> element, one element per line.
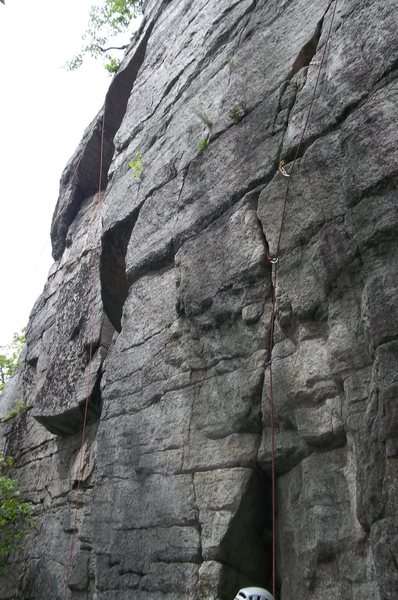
<point>274,260</point>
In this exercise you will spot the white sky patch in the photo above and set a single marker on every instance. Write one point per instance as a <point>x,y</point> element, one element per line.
<point>44,110</point>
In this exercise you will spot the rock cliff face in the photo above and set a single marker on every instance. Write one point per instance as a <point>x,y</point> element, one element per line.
<point>156,315</point>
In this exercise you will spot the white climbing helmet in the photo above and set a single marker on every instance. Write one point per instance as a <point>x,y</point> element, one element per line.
<point>253,593</point>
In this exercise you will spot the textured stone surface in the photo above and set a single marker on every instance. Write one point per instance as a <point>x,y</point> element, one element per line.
<point>168,280</point>
<point>67,327</point>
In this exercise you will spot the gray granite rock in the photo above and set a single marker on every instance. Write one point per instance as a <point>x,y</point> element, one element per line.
<point>68,333</point>
<point>167,278</point>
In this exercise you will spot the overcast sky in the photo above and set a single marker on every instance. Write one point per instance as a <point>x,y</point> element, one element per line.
<point>44,110</point>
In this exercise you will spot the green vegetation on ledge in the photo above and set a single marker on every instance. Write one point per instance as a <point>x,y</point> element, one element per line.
<point>18,409</point>
<point>15,513</point>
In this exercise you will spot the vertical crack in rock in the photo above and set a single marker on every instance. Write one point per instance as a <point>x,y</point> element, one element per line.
<point>115,278</point>
<point>197,516</point>
<point>296,81</point>
<point>309,50</point>
<point>270,291</point>
<point>234,503</point>
<point>114,284</point>
<point>246,549</point>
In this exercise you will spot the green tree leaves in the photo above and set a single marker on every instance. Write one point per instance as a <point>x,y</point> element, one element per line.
<point>9,360</point>
<point>105,22</point>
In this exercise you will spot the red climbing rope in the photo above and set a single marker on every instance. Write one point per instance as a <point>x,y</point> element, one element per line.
<point>87,385</point>
<point>101,156</point>
<point>272,417</point>
<point>275,261</point>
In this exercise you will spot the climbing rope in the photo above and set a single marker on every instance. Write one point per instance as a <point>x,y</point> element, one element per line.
<point>274,260</point>
<point>87,382</point>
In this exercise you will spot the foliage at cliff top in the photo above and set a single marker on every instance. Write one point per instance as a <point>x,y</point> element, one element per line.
<point>106,21</point>
<point>15,513</point>
<point>10,358</point>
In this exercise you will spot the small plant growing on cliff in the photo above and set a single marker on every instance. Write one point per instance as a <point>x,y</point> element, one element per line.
<point>230,63</point>
<point>15,513</point>
<point>237,112</point>
<point>18,409</point>
<point>136,165</point>
<point>204,117</point>
<point>203,144</point>
<point>208,121</point>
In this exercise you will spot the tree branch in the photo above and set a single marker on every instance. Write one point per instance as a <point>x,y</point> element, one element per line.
<point>101,49</point>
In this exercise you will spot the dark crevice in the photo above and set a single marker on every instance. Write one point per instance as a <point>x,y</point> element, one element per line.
<point>301,63</point>
<point>271,281</point>
<point>114,284</point>
<point>77,328</point>
<point>115,281</point>
<point>90,349</point>
<point>308,51</point>
<point>184,173</point>
<point>32,362</point>
<point>261,229</point>
<point>197,512</point>
<point>246,550</point>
